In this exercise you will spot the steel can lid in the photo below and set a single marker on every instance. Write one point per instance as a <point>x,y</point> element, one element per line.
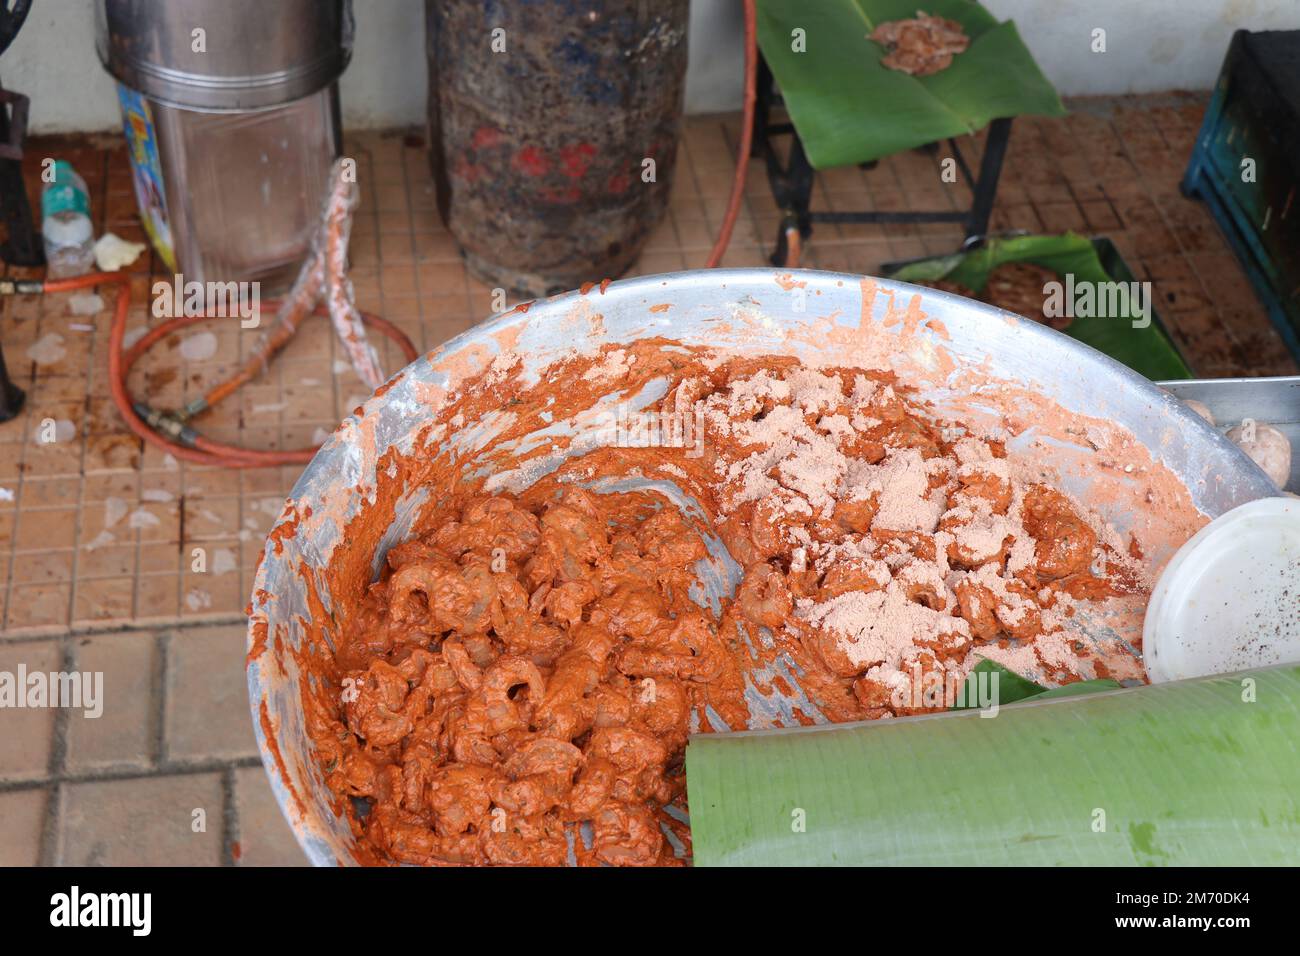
<point>224,56</point>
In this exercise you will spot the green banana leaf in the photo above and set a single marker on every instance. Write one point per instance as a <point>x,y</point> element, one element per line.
<point>1200,772</point>
<point>1014,689</point>
<point>1148,351</point>
<point>850,109</point>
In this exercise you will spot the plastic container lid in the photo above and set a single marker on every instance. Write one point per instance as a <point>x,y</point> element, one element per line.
<point>1230,598</point>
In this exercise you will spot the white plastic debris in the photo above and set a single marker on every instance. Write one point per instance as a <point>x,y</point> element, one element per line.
<point>85,304</point>
<point>65,430</point>
<point>47,350</point>
<point>141,519</point>
<point>101,540</point>
<point>115,510</point>
<point>198,600</point>
<point>223,561</point>
<point>199,346</point>
<point>113,252</point>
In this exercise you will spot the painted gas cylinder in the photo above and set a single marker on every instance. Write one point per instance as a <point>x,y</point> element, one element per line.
<point>553,129</point>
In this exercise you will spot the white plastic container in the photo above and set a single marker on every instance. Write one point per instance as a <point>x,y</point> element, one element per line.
<point>65,224</point>
<point>1229,600</point>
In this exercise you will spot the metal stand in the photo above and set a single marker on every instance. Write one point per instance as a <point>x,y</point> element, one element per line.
<point>23,247</point>
<point>792,184</point>
<point>11,396</point>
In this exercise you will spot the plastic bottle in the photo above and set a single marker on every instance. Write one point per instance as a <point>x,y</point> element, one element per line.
<point>65,224</point>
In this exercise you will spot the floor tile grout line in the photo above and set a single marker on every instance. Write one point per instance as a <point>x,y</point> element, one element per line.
<point>1029,194</point>
<point>58,760</point>
<point>24,422</point>
<point>47,854</point>
<point>411,245</point>
<point>466,296</point>
<point>180,563</point>
<point>59,733</point>
<point>114,773</point>
<point>898,184</point>
<point>701,200</point>
<point>733,147</point>
<point>139,470</point>
<point>871,183</point>
<point>425,337</point>
<point>1069,183</point>
<point>239,530</point>
<point>159,681</point>
<point>8,308</point>
<point>229,818</point>
<point>84,441</point>
<point>1224,329</point>
<point>119,627</point>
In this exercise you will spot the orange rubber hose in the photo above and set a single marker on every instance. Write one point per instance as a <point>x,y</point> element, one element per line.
<point>204,451</point>
<point>746,137</point>
<point>794,243</point>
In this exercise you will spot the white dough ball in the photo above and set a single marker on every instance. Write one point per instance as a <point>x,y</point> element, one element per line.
<point>1268,447</point>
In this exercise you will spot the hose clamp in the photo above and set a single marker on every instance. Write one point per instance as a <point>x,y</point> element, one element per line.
<point>22,287</point>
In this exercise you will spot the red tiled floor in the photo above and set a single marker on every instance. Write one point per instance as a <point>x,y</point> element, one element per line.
<point>101,531</point>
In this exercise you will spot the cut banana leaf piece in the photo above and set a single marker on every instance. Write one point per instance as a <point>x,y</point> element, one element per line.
<point>1011,688</point>
<point>1139,342</point>
<point>848,108</point>
<point>1202,772</point>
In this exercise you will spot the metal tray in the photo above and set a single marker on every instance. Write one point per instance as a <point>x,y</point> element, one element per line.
<point>1271,401</point>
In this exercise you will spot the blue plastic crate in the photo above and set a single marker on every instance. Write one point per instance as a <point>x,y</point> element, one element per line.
<point>1246,167</point>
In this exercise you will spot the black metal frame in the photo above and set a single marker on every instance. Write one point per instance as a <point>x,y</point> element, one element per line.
<point>792,184</point>
<point>12,15</point>
<point>22,247</point>
<point>11,396</point>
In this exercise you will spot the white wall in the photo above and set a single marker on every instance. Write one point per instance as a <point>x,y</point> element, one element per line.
<point>53,61</point>
<point>1151,45</point>
<point>715,73</point>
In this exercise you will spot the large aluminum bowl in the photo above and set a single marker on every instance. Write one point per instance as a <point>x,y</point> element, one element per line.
<point>703,311</point>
